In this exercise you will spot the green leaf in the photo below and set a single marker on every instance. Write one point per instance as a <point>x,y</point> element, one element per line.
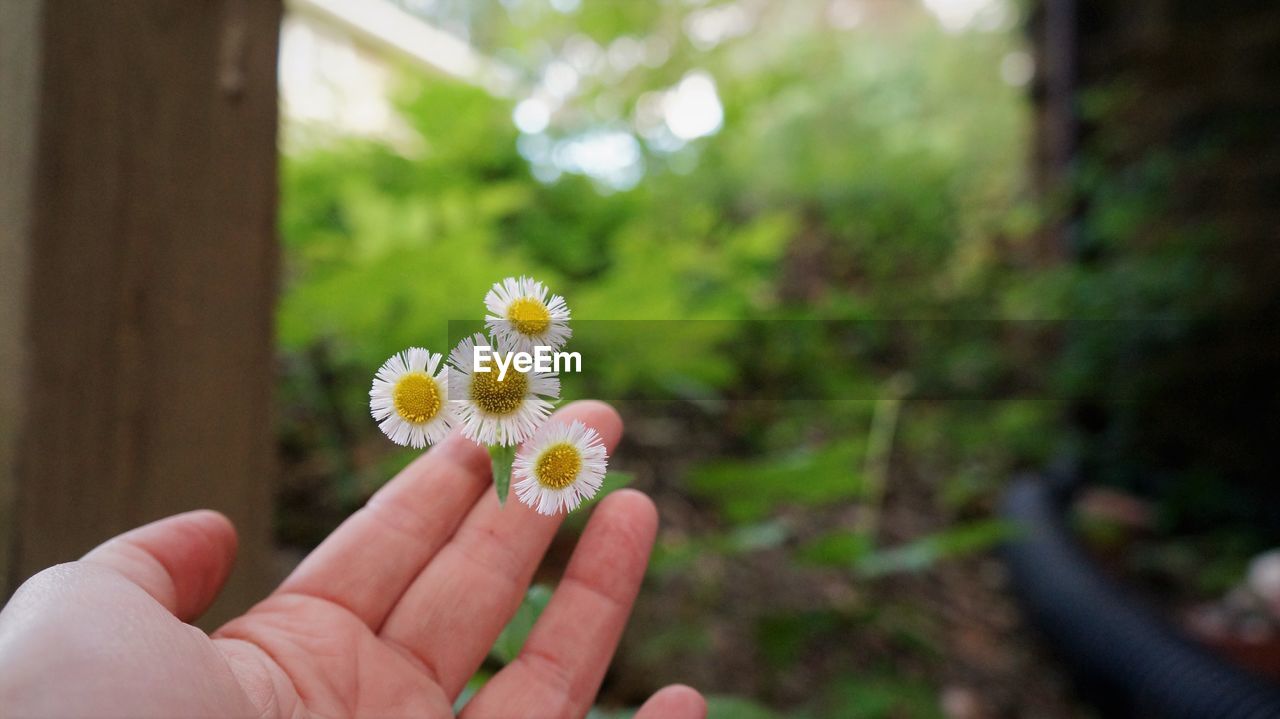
<point>924,552</point>
<point>749,490</point>
<point>841,549</point>
<point>474,685</point>
<point>880,695</point>
<point>783,638</point>
<point>502,457</point>
<point>509,642</point>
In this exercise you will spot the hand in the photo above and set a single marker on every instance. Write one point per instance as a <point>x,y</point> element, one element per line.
<point>389,617</point>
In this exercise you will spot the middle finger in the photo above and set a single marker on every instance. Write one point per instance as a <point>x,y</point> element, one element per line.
<point>455,609</point>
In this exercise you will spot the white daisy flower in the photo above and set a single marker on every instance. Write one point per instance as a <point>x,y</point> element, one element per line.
<point>562,467</point>
<point>492,411</point>
<point>410,399</point>
<point>523,314</point>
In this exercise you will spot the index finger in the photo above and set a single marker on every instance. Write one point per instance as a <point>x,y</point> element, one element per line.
<point>450,616</point>
<point>372,558</point>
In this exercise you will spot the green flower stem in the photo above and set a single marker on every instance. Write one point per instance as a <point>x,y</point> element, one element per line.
<point>502,457</point>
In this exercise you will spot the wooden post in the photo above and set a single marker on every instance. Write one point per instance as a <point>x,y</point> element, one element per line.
<point>137,274</point>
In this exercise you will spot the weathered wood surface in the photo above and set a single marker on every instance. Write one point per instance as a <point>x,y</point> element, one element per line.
<point>141,341</point>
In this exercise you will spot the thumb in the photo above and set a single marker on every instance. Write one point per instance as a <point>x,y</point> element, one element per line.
<point>181,561</point>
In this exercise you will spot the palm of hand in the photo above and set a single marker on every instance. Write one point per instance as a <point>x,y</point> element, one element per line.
<point>388,617</point>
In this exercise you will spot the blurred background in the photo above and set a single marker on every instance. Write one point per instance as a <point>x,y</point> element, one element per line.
<point>847,268</point>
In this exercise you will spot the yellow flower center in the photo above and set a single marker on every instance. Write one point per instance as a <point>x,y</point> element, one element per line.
<point>498,397</point>
<point>558,465</point>
<point>529,316</point>
<point>417,397</point>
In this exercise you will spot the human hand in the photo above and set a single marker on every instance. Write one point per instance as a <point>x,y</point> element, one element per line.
<point>388,617</point>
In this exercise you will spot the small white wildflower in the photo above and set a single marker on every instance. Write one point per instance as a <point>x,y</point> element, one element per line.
<point>498,412</point>
<point>409,398</point>
<point>523,314</point>
<point>563,466</point>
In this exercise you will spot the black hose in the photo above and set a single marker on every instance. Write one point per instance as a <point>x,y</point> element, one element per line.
<point>1128,660</point>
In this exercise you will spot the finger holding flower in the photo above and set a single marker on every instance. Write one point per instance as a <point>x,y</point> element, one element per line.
<point>561,465</point>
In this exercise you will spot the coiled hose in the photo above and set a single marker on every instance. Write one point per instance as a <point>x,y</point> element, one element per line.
<point>1128,661</point>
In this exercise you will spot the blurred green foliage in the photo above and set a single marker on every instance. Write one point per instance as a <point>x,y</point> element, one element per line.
<point>861,174</point>
<point>747,490</point>
<point>852,180</point>
<point>852,549</point>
